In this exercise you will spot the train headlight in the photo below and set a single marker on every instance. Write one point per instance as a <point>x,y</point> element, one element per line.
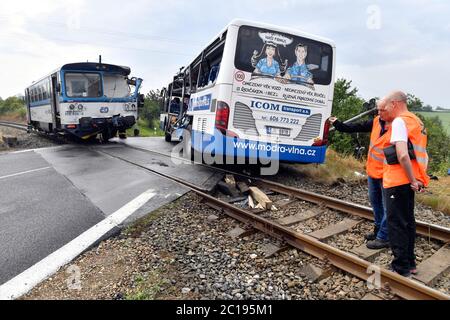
<point>72,107</point>
<point>80,107</point>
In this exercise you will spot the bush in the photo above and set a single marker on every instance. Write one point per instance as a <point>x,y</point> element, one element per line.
<point>11,105</point>
<point>346,104</point>
<point>151,109</point>
<point>438,146</point>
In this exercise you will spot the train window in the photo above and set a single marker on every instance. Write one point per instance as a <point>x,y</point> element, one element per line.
<point>115,86</point>
<point>44,91</point>
<point>40,93</point>
<point>83,85</point>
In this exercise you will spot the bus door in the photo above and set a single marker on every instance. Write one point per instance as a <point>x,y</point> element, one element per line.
<point>55,102</point>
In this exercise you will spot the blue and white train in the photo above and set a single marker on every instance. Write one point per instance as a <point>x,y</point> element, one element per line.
<point>84,100</point>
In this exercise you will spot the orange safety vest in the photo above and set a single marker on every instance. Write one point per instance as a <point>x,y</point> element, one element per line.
<point>375,157</point>
<point>394,175</point>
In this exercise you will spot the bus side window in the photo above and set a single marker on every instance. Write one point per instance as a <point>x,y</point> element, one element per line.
<point>194,77</point>
<point>213,73</point>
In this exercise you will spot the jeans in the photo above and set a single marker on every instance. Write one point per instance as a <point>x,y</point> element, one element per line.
<point>379,207</point>
<point>402,227</point>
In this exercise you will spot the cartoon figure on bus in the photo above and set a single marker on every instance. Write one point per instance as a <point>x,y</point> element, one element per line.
<point>299,71</point>
<point>268,65</point>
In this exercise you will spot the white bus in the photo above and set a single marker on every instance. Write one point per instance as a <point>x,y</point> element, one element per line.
<point>255,91</point>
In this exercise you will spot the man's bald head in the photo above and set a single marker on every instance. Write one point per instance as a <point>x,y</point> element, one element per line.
<point>399,96</point>
<point>395,104</point>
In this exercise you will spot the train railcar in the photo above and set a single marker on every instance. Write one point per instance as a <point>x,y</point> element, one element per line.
<point>84,100</point>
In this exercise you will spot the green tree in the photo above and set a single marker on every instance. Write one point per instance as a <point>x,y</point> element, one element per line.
<point>12,105</point>
<point>414,103</point>
<point>151,109</point>
<point>346,104</point>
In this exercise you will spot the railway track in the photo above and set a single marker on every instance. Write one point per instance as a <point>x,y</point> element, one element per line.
<point>431,231</point>
<point>313,243</point>
<point>18,126</point>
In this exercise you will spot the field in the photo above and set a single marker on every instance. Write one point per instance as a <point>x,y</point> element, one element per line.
<point>444,116</point>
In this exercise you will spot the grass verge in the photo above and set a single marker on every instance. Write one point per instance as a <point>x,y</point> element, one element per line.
<point>146,130</point>
<point>437,195</point>
<point>335,168</point>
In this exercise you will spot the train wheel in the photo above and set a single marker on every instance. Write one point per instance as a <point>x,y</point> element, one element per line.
<point>136,132</point>
<point>122,135</point>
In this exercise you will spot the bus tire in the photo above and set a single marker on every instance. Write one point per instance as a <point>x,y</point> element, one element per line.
<point>168,137</point>
<point>136,132</point>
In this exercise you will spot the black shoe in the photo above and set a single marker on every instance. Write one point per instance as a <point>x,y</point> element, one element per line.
<point>370,236</point>
<point>406,275</point>
<point>377,244</point>
<point>373,235</point>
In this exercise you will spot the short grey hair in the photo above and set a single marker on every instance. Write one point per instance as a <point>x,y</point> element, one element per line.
<point>398,96</point>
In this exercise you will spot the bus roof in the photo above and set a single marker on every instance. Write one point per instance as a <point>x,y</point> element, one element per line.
<point>293,31</point>
<point>240,22</point>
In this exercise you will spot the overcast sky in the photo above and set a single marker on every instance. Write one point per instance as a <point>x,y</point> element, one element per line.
<point>381,45</point>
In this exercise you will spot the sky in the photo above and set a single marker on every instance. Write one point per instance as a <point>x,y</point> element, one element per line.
<point>380,45</point>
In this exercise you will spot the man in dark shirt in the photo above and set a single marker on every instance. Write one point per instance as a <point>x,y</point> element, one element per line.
<point>379,238</point>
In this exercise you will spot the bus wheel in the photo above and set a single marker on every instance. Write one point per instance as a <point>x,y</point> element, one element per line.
<point>168,137</point>
<point>136,132</point>
<point>122,135</point>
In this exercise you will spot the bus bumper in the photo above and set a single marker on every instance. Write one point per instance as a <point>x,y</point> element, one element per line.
<point>219,144</point>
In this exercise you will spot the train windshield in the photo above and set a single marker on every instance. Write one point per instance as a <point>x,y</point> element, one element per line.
<point>116,86</point>
<point>83,85</point>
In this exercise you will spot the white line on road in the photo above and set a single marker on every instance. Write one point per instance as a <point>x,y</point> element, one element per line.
<point>28,279</point>
<point>23,172</point>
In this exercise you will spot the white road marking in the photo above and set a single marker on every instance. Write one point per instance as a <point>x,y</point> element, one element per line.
<point>34,149</point>
<point>27,280</point>
<point>24,172</point>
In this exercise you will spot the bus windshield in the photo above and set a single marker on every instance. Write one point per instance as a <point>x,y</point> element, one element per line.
<point>288,58</point>
<point>115,86</point>
<point>83,85</point>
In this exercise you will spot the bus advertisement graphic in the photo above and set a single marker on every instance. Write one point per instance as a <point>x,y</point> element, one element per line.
<point>282,66</point>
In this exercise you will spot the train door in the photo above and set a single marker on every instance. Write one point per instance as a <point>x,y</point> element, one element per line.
<point>55,101</point>
<point>28,101</point>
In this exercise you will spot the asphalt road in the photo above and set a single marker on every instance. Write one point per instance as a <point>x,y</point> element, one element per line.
<point>50,196</point>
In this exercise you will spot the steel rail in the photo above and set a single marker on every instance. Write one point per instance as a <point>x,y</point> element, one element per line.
<point>14,125</point>
<point>431,231</point>
<point>425,229</point>
<point>397,284</point>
